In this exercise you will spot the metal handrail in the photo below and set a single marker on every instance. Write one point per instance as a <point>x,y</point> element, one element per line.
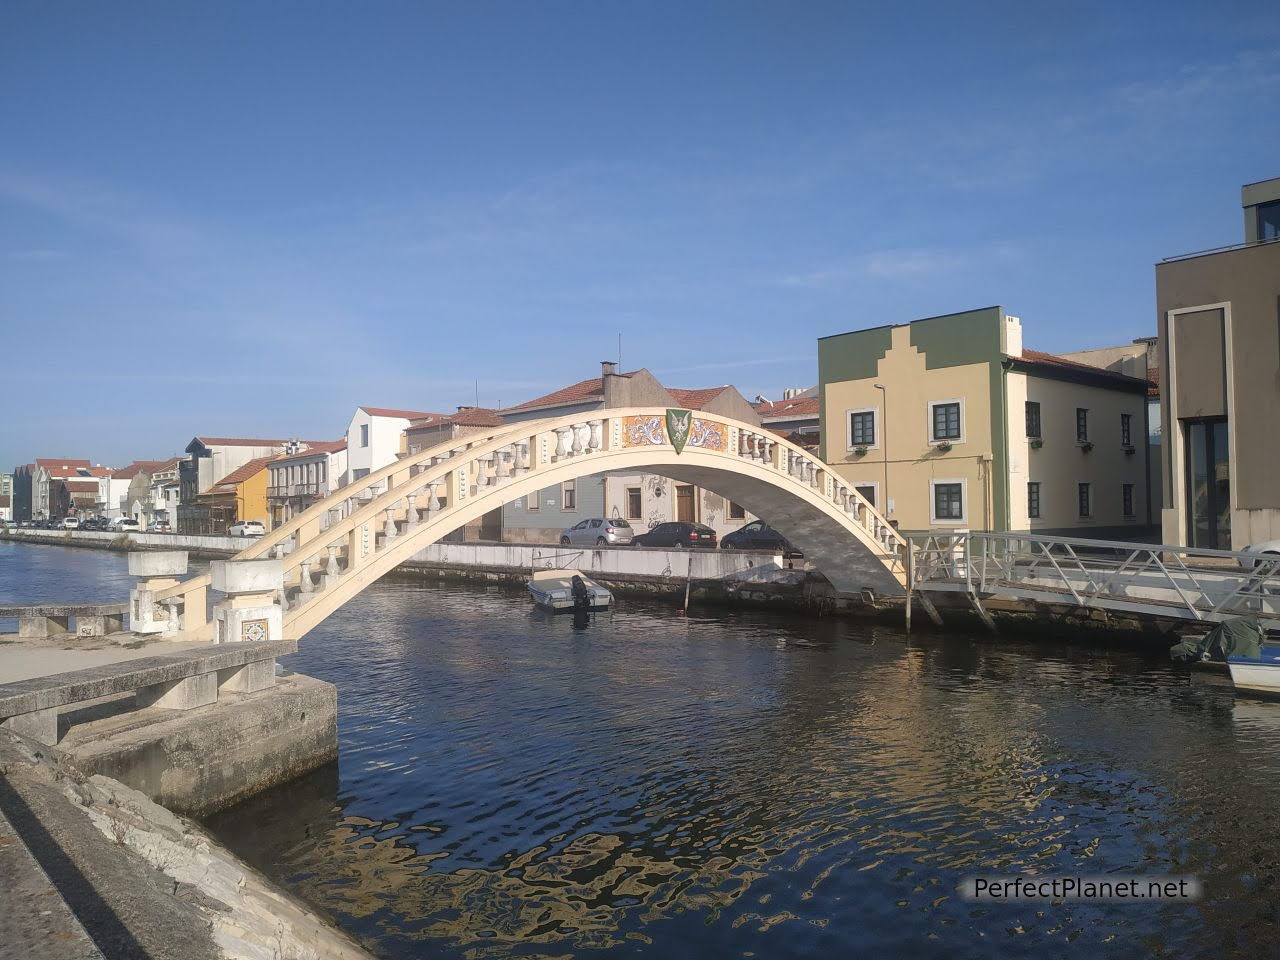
<point>1230,246</point>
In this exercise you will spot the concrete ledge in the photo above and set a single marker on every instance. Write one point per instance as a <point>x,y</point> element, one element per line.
<point>246,576</point>
<point>65,610</point>
<point>211,757</point>
<point>158,563</point>
<point>79,686</point>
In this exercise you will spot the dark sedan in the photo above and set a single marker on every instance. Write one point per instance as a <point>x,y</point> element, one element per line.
<point>758,535</point>
<point>677,534</point>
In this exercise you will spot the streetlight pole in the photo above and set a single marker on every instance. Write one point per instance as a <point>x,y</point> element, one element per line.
<point>884,442</point>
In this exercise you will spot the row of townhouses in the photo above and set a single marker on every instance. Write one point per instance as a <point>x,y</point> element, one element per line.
<point>944,422</point>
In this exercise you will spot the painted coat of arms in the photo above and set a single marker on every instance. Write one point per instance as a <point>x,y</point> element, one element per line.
<point>679,423</point>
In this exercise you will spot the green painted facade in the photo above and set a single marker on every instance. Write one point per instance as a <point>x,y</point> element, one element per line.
<point>848,356</point>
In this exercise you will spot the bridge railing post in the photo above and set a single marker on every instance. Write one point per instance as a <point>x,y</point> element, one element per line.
<point>158,571</point>
<point>249,611</point>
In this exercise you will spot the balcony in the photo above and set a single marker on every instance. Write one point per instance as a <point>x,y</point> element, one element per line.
<point>286,490</point>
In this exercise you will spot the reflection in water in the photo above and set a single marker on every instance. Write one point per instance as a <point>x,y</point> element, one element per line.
<point>741,784</point>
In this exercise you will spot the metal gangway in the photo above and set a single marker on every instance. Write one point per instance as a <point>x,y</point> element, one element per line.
<point>1156,580</point>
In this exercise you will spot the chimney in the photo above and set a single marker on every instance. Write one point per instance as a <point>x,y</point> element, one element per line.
<point>465,406</point>
<point>608,368</point>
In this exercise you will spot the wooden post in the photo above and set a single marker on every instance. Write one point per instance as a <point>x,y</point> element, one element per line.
<point>687,584</point>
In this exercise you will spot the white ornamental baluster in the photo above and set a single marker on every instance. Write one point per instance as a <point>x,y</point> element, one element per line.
<point>331,568</point>
<point>597,435</point>
<point>579,439</point>
<point>503,472</point>
<point>389,528</point>
<point>433,498</point>
<point>304,576</point>
<point>562,442</point>
<point>412,500</point>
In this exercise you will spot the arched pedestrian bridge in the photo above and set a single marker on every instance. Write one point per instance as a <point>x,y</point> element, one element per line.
<point>339,546</point>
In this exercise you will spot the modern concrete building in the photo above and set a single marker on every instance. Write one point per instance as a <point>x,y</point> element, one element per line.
<point>644,500</point>
<point>375,437</point>
<point>1218,314</point>
<point>297,480</point>
<point>948,422</point>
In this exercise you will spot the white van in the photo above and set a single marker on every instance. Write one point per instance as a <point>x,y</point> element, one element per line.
<point>70,523</point>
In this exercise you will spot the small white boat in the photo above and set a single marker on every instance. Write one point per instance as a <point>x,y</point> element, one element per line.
<point>1256,676</point>
<point>564,590</point>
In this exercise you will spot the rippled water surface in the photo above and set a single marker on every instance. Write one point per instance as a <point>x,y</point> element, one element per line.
<point>738,785</point>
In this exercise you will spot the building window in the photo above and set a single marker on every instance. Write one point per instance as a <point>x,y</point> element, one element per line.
<point>1126,429</point>
<point>1082,425</point>
<point>533,501</point>
<point>1127,497</point>
<point>948,500</point>
<point>862,428</point>
<point>1033,499</point>
<point>364,434</point>
<point>635,503</point>
<point>1269,220</point>
<point>868,492</point>
<point>737,511</point>
<point>1033,419</point>
<point>945,420</point>
<point>569,495</point>
<point>1085,496</point>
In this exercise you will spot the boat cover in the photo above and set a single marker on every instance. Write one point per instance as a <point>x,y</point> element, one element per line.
<point>1238,637</point>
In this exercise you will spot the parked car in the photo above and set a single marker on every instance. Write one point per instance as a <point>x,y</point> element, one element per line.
<point>598,531</point>
<point>158,526</point>
<point>90,523</point>
<point>677,533</point>
<point>758,535</point>
<point>70,523</point>
<point>1267,550</point>
<point>247,528</point>
<point>124,523</point>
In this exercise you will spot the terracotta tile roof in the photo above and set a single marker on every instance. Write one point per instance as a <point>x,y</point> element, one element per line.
<point>165,465</point>
<point>580,392</point>
<point>49,462</point>
<point>1153,382</point>
<point>321,446</point>
<point>64,469</point>
<point>241,474</point>
<point>135,468</point>
<point>82,486</point>
<point>471,417</point>
<point>696,399</point>
<point>791,409</point>
<point>400,414</point>
<point>1049,359</point>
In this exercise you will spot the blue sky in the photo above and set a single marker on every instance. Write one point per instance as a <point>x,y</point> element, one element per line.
<point>246,218</point>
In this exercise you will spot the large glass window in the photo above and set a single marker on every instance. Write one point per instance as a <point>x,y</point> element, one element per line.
<point>1269,220</point>
<point>948,501</point>
<point>862,428</point>
<point>1033,419</point>
<point>946,421</point>
<point>1208,485</point>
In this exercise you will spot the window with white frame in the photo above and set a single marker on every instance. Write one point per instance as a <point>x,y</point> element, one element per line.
<point>569,495</point>
<point>948,500</point>
<point>364,434</point>
<point>533,502</point>
<point>635,503</point>
<point>1084,497</point>
<point>868,492</point>
<point>862,428</point>
<point>737,511</point>
<point>945,421</point>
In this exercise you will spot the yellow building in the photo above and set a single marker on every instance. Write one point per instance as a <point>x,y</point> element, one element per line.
<point>949,423</point>
<point>240,495</point>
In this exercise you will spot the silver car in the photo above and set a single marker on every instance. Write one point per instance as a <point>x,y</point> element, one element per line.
<point>598,532</point>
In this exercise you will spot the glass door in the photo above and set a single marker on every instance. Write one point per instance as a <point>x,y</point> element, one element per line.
<point>1208,485</point>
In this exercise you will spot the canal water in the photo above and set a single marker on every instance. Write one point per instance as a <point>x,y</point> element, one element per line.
<point>736,784</point>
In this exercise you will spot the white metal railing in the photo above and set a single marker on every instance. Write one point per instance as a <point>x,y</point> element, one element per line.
<point>1160,579</point>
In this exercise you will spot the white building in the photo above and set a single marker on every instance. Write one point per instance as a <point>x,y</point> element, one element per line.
<point>298,480</point>
<point>374,437</point>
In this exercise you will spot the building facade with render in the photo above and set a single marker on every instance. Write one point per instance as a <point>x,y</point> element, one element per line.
<point>375,437</point>
<point>297,480</point>
<point>1218,315</point>
<point>949,423</point>
<point>642,499</point>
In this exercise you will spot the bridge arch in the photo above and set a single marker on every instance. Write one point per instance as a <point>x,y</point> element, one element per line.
<point>339,546</point>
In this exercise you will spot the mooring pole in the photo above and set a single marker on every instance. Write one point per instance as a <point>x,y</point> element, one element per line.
<point>687,583</point>
<point>911,583</point>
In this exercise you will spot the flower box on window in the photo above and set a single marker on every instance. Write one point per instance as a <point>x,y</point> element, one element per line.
<point>860,450</point>
<point>1036,443</point>
<point>943,446</point>
<point>1086,445</point>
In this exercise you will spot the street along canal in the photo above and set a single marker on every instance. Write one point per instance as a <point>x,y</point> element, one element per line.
<point>737,784</point>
